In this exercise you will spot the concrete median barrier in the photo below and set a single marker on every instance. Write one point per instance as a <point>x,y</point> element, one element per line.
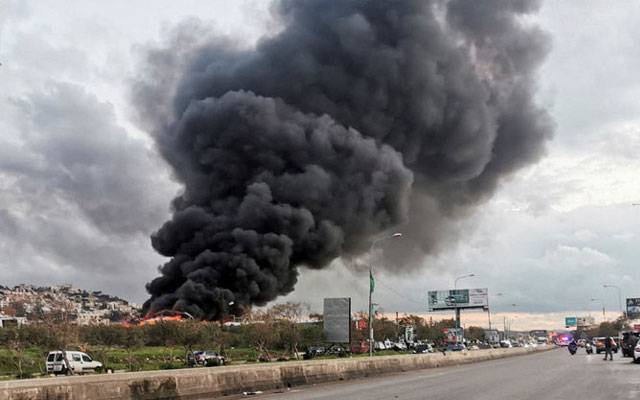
<point>205,383</point>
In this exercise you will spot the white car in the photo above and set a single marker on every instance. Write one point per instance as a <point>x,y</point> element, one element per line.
<point>380,346</point>
<point>636,353</point>
<point>79,362</point>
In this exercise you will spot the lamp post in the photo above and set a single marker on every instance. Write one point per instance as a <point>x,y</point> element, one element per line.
<point>619,296</point>
<point>455,283</point>
<point>514,317</point>
<point>489,308</point>
<point>455,286</point>
<point>370,325</point>
<point>604,315</point>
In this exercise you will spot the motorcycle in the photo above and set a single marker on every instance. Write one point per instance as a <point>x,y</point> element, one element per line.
<point>588,348</point>
<point>573,348</point>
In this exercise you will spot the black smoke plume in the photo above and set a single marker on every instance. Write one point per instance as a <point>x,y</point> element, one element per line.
<point>358,116</point>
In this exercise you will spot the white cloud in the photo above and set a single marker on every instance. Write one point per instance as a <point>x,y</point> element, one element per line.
<point>575,258</point>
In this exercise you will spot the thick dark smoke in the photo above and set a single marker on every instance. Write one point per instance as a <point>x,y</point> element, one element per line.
<point>357,117</point>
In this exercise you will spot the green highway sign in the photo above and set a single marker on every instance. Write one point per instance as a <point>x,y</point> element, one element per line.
<point>570,321</point>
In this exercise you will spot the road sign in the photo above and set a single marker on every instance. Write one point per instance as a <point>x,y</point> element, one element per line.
<point>458,298</point>
<point>453,335</point>
<point>585,321</point>
<point>337,320</point>
<point>570,321</point>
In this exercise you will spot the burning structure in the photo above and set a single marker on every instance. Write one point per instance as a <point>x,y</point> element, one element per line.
<point>356,117</point>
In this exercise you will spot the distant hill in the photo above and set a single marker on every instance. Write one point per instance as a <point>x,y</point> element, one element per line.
<point>64,301</point>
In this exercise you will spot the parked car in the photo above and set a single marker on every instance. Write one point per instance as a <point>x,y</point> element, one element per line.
<point>380,346</point>
<point>423,348</point>
<point>598,342</point>
<point>77,363</point>
<point>336,351</point>
<point>205,358</point>
<point>505,344</point>
<point>628,343</point>
<point>455,347</point>
<point>399,346</point>
<point>636,354</point>
<point>313,352</point>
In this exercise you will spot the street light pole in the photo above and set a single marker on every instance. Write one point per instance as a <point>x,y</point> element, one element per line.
<point>604,315</point>
<point>455,283</point>
<point>370,325</point>
<point>619,297</point>
<point>514,307</point>
<point>455,286</point>
<point>489,308</point>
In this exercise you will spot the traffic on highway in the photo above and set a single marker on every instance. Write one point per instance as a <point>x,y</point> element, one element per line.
<point>550,375</point>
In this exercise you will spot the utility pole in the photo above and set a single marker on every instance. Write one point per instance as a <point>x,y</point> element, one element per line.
<point>372,286</point>
<point>504,327</point>
<point>397,327</point>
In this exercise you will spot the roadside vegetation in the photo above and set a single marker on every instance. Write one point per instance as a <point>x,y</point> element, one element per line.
<point>275,334</point>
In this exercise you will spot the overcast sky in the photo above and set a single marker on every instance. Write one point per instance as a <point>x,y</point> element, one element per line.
<point>81,187</point>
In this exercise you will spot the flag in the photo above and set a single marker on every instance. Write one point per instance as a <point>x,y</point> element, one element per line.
<point>372,282</point>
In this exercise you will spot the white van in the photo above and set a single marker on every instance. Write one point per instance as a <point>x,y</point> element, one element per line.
<point>79,362</point>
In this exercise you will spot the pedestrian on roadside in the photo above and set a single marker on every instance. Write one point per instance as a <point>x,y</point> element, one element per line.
<point>608,348</point>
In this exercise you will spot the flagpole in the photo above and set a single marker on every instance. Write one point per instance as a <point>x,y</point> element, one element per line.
<point>372,286</point>
<point>370,311</point>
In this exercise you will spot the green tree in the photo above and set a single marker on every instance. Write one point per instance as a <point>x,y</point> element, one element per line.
<point>474,333</point>
<point>17,345</point>
<point>133,339</point>
<point>190,334</point>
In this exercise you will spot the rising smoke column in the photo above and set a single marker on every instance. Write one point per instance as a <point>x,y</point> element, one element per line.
<point>358,116</point>
<point>267,188</point>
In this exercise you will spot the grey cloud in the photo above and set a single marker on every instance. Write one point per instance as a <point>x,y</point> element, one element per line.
<point>72,150</point>
<point>79,194</point>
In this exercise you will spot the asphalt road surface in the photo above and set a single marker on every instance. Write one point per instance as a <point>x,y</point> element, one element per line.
<point>549,375</point>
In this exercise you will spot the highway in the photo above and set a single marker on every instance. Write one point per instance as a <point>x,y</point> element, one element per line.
<point>549,375</point>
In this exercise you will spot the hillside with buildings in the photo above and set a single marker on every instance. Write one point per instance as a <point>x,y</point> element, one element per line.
<point>29,303</point>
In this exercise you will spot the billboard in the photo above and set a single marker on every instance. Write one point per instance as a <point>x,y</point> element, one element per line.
<point>337,320</point>
<point>570,321</point>
<point>409,336</point>
<point>633,307</point>
<point>458,298</point>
